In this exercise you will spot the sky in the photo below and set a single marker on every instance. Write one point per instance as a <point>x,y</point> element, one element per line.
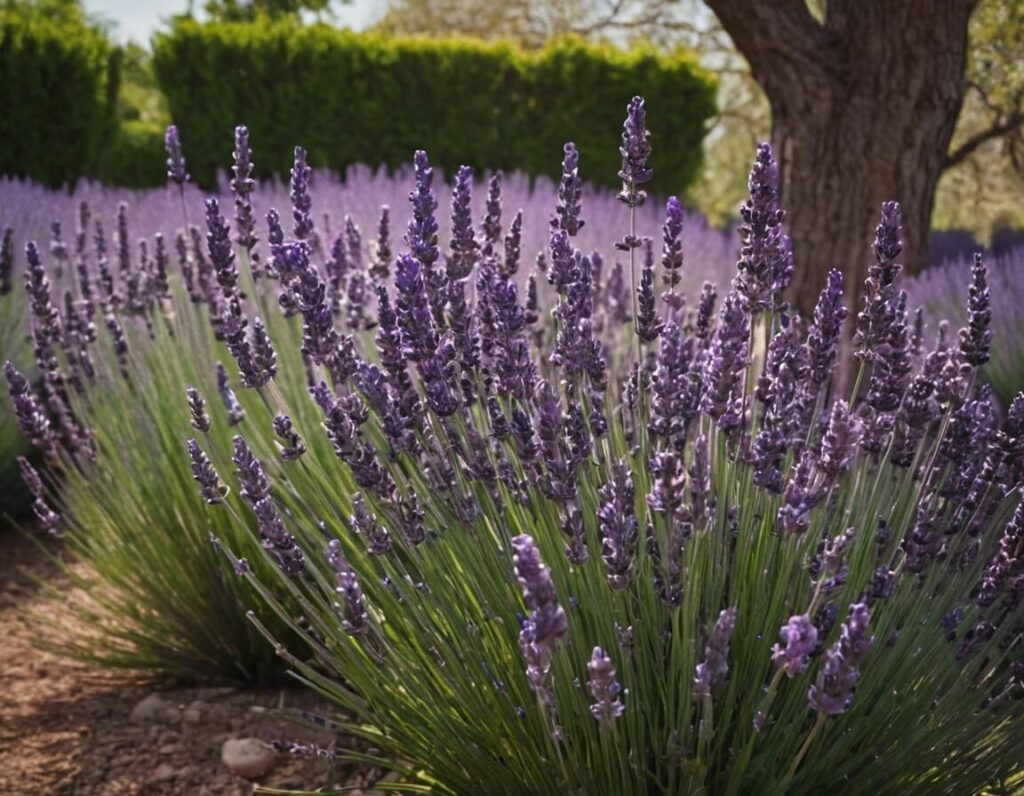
<point>138,19</point>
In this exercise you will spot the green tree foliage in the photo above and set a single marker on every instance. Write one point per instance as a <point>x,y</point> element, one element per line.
<point>250,10</point>
<point>58,89</point>
<point>352,98</point>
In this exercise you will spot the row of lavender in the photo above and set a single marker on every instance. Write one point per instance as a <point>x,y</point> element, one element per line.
<point>544,540</point>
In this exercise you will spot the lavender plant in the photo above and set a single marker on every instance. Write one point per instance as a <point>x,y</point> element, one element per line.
<point>530,534</point>
<point>938,290</point>
<point>581,558</point>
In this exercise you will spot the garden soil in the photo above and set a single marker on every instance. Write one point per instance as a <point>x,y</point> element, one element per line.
<point>66,728</point>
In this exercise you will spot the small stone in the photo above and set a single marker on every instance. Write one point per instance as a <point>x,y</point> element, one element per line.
<point>154,710</point>
<point>193,714</point>
<point>248,758</point>
<point>163,773</point>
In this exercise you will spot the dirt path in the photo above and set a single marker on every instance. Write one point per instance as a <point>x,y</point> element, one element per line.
<point>68,729</point>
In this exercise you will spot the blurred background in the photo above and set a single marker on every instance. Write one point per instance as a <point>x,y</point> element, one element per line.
<point>919,101</point>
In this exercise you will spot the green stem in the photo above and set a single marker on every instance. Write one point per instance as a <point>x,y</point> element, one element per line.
<point>818,724</point>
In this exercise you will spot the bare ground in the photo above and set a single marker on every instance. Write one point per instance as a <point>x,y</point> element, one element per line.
<point>65,727</point>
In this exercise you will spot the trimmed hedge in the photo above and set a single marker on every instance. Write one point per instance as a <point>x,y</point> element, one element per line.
<point>135,157</point>
<point>361,98</point>
<point>58,90</point>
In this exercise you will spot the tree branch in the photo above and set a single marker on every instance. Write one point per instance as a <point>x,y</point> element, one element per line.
<point>779,38</point>
<point>997,129</point>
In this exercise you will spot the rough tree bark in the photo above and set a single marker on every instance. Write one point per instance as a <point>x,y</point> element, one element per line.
<point>863,110</point>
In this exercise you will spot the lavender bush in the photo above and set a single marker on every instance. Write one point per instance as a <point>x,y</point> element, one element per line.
<point>570,524</point>
<point>133,279</point>
<point>938,291</point>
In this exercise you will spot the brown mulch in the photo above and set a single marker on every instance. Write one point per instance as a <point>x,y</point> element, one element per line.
<point>65,727</point>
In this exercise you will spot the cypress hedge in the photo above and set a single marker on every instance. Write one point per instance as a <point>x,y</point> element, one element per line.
<point>58,90</point>
<point>362,98</point>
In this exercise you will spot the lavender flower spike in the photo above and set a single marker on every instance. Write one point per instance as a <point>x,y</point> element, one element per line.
<point>355,622</point>
<point>635,149</point>
<point>604,688</point>
<point>197,409</point>
<point>765,257</point>
<point>832,692</point>
<point>176,171</point>
<point>202,471</point>
<point>823,336</point>
<point>976,337</point>
<point>1006,562</point>
<point>548,618</point>
<point>714,669</point>
<point>32,419</point>
<point>672,248</point>
<point>618,525</point>
<point>570,189</point>
<point>243,184</point>
<point>799,637</point>
<point>48,518</point>
<point>302,226</point>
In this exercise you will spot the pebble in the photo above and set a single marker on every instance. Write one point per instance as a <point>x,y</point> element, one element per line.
<point>248,758</point>
<point>193,713</point>
<point>163,772</point>
<point>154,710</point>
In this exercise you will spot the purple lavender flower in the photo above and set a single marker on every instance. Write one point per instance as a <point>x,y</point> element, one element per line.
<point>534,577</point>
<point>32,419</point>
<point>1007,564</point>
<point>45,315</point>
<point>293,447</point>
<point>648,325</point>
<point>726,362</point>
<point>570,189</point>
<point>243,184</point>
<point>618,526</point>
<point>364,524</point>
<point>197,409</point>
<point>891,358</point>
<point>875,320</point>
<point>765,258</point>
<point>492,216</point>
<point>839,441</point>
<point>6,261</point>
<point>222,253</point>
<point>380,270</point>
<point>513,246</point>
<point>705,311</point>
<point>832,692</point>
<point>823,335</point>
<point>672,249</point>
<point>342,419</point>
<point>801,495</point>
<point>47,518</point>
<point>669,413</point>
<point>604,688</point>
<point>829,568</point>
<point>713,671</point>
<point>465,250</point>
<point>205,475</point>
<point>176,171</point>
<point>302,202</point>
<point>799,639</point>
<point>236,414</point>
<point>635,149</point>
<point>976,337</point>
<point>356,619</point>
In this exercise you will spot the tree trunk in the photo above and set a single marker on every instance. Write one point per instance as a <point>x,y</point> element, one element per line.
<point>863,110</point>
